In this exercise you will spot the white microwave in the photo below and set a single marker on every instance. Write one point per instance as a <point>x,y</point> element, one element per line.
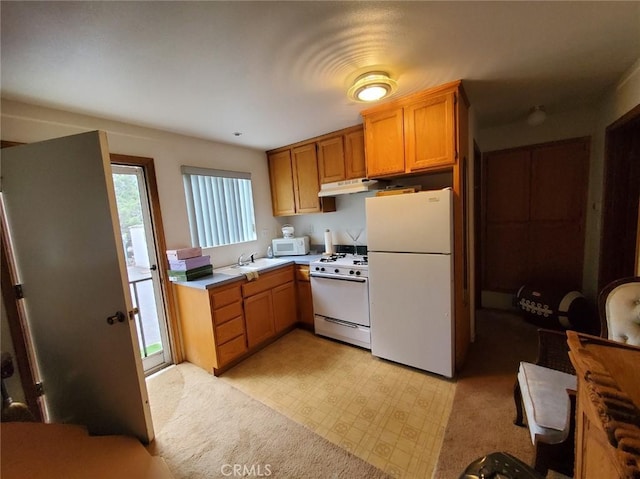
<point>290,246</point>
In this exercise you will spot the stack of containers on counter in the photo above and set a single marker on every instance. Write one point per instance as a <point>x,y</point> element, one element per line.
<point>187,264</point>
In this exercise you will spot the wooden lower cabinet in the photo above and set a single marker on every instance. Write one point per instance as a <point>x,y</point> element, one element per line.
<point>222,325</point>
<point>258,315</point>
<point>284,306</point>
<point>305,299</point>
<point>212,324</point>
<point>269,305</point>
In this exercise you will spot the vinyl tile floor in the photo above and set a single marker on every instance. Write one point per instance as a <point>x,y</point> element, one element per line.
<point>392,416</point>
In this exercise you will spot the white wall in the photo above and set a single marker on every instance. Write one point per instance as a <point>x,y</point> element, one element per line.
<point>27,123</point>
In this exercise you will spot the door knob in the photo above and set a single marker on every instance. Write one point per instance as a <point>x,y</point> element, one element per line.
<point>119,317</point>
<point>153,267</point>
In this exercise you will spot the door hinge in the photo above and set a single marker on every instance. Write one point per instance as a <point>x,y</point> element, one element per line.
<point>18,291</point>
<point>455,98</point>
<point>456,154</point>
<point>39,387</point>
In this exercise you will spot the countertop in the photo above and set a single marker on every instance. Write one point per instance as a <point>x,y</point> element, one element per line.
<point>228,274</point>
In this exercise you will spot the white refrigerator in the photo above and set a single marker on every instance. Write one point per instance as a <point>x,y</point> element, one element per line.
<point>410,243</point>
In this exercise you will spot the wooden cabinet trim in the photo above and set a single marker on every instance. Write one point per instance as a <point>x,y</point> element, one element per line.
<point>268,281</point>
<point>439,134</point>
<point>331,159</point>
<point>229,330</point>
<point>316,139</point>
<point>355,164</point>
<point>231,350</point>
<point>227,313</point>
<point>224,295</point>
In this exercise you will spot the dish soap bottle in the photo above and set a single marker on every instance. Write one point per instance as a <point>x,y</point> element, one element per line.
<point>269,252</point>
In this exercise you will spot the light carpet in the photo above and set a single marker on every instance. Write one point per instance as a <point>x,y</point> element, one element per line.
<point>208,429</point>
<point>483,409</point>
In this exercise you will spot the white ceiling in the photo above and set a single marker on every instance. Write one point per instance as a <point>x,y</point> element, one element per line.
<point>278,72</point>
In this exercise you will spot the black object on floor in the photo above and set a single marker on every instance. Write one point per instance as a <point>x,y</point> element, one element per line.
<point>499,465</point>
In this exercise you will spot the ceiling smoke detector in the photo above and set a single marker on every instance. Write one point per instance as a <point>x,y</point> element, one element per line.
<point>537,115</point>
<point>372,86</point>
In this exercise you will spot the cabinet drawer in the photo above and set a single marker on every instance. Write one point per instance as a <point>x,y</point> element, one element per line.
<point>229,330</point>
<point>302,273</point>
<point>231,350</point>
<point>268,281</point>
<point>226,313</point>
<point>225,295</point>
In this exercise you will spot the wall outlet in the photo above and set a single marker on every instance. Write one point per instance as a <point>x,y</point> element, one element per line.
<point>310,229</point>
<point>265,233</point>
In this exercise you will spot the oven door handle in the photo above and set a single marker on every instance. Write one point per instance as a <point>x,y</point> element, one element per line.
<point>341,323</point>
<point>328,276</point>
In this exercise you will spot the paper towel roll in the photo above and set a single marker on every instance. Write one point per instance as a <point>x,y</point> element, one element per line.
<point>328,242</point>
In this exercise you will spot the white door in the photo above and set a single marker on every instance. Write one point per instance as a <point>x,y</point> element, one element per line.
<point>60,206</point>
<point>141,255</point>
<point>414,223</point>
<point>412,310</point>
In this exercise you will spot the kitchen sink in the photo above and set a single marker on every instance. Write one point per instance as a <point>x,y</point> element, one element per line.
<point>258,265</point>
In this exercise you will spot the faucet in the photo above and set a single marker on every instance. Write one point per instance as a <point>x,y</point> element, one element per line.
<point>243,262</point>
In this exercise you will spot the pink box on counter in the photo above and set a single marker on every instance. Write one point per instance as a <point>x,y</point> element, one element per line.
<point>183,253</point>
<point>189,263</point>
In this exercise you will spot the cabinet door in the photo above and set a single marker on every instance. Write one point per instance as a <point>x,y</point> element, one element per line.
<point>258,315</point>
<point>331,160</point>
<point>281,178</point>
<point>305,303</point>
<point>284,305</point>
<point>429,132</point>
<point>354,159</point>
<point>384,143</point>
<point>305,173</point>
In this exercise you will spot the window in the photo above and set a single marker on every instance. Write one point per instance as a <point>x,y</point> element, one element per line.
<point>220,206</point>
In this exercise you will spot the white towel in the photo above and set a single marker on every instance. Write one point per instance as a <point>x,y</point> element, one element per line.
<point>251,275</point>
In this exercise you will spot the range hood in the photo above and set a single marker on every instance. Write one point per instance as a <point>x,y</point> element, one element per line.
<point>346,187</point>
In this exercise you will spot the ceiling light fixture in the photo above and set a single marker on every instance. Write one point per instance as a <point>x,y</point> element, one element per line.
<point>372,86</point>
<point>537,115</point>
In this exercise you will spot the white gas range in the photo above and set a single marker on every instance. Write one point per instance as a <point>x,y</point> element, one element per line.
<point>340,289</point>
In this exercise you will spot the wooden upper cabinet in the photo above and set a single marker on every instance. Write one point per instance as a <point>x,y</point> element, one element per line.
<point>306,184</point>
<point>429,132</point>
<point>418,133</point>
<point>281,178</point>
<point>331,160</point>
<point>341,157</point>
<point>354,159</point>
<point>384,143</point>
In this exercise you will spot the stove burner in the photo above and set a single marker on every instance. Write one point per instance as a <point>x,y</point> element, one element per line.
<point>362,262</point>
<point>332,258</point>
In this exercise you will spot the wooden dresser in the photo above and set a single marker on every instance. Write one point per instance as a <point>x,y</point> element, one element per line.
<point>608,414</point>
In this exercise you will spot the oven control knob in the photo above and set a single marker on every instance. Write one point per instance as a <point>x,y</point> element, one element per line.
<point>351,272</point>
<point>336,270</point>
<point>317,268</point>
<point>322,269</point>
<point>357,273</point>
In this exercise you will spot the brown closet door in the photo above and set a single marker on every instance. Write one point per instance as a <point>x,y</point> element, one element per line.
<point>507,218</point>
<point>535,200</point>
<point>558,200</point>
